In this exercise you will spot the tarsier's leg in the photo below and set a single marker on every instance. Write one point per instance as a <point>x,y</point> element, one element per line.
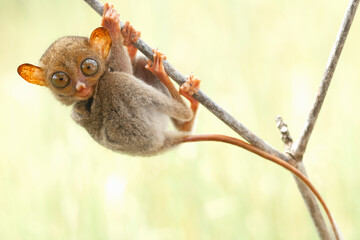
<point>130,36</point>
<point>157,68</point>
<point>190,87</point>
<point>119,59</point>
<point>145,75</point>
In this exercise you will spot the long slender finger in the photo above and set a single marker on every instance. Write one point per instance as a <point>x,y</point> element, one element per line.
<point>106,7</point>
<point>107,14</point>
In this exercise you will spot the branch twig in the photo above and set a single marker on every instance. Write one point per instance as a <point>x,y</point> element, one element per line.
<point>299,146</point>
<point>284,130</point>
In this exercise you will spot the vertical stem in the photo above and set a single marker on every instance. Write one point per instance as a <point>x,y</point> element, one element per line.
<point>299,146</point>
<point>312,206</point>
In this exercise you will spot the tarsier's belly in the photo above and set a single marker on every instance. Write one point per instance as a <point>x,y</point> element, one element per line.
<point>140,134</point>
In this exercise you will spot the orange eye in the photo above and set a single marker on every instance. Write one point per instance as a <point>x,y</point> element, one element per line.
<point>60,80</point>
<point>89,67</point>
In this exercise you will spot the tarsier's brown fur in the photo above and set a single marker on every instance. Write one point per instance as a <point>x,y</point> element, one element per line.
<point>123,106</point>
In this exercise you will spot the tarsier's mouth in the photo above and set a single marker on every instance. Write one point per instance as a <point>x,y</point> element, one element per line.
<point>85,92</point>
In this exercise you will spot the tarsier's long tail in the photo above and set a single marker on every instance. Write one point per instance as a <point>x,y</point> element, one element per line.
<point>278,161</point>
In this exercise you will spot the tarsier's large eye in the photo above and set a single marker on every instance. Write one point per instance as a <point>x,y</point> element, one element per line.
<point>89,67</point>
<point>60,80</point>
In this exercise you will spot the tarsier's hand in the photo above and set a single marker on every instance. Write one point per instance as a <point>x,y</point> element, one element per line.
<point>111,21</point>
<point>130,34</point>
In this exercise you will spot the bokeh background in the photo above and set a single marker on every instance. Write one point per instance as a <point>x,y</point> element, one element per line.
<point>257,59</point>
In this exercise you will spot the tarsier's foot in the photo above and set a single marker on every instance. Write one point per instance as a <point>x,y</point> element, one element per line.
<point>110,20</point>
<point>190,87</point>
<point>130,34</point>
<point>156,66</point>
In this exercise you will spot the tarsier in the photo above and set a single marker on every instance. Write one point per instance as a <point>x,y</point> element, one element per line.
<point>116,97</point>
<point>124,101</point>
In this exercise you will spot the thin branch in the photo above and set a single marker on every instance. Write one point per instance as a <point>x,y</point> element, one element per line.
<point>299,146</point>
<point>313,208</point>
<point>201,97</point>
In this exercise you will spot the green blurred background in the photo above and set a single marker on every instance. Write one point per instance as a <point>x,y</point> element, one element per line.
<point>257,59</point>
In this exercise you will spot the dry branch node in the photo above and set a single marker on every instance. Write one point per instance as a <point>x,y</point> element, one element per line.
<point>284,130</point>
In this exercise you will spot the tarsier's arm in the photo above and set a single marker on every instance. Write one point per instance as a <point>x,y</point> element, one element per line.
<point>119,60</point>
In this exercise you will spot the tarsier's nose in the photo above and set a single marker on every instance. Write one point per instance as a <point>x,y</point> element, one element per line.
<point>80,86</point>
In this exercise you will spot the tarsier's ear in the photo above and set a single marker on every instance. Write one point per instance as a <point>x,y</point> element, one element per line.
<point>32,74</point>
<point>100,39</point>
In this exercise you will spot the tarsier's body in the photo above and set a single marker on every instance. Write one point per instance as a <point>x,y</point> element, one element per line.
<point>117,98</point>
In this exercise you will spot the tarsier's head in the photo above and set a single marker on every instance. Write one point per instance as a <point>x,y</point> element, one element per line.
<point>71,66</point>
